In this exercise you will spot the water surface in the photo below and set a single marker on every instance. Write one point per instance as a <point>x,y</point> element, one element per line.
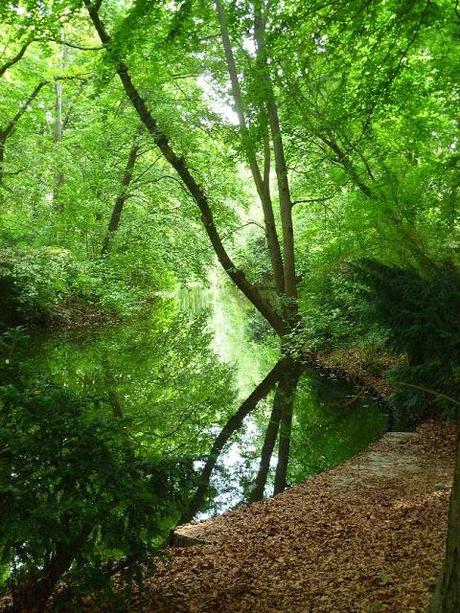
<point>181,370</point>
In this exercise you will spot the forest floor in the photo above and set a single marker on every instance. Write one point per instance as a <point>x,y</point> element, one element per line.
<point>366,536</point>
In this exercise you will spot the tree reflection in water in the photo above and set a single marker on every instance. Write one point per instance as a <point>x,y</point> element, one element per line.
<point>194,383</point>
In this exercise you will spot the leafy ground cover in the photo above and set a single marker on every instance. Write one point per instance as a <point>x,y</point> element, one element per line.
<point>366,536</point>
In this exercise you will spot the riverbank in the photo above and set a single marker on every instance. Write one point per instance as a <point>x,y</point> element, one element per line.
<point>364,368</point>
<point>367,371</point>
<point>366,536</point>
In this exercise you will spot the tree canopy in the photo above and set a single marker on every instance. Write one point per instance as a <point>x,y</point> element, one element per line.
<point>308,149</point>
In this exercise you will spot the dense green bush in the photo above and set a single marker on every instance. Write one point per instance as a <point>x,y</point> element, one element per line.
<point>31,282</point>
<point>336,315</point>
<point>421,313</point>
<point>38,285</point>
<point>76,494</point>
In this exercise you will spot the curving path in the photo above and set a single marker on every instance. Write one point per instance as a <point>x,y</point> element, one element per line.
<point>367,536</point>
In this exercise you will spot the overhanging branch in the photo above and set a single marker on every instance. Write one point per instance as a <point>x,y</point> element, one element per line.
<point>195,189</point>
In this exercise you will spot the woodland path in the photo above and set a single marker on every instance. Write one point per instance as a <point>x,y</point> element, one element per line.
<point>367,536</point>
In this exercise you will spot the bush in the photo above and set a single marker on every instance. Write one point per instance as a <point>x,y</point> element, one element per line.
<point>336,314</point>
<point>48,284</point>
<point>31,283</point>
<point>75,494</point>
<point>421,314</point>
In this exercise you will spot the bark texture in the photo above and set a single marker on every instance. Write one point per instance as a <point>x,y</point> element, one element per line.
<point>446,598</point>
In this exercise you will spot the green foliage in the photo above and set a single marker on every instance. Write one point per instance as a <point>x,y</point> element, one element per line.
<point>422,313</point>
<point>335,314</point>
<point>75,490</point>
<point>48,285</point>
<point>422,316</point>
<point>367,96</point>
<point>31,283</point>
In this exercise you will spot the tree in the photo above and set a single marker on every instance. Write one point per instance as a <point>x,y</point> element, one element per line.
<point>7,130</point>
<point>123,195</point>
<point>180,166</point>
<point>79,497</point>
<point>446,597</point>
<point>342,148</point>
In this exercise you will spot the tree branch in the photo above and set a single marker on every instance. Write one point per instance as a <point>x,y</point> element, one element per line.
<point>196,190</point>
<point>262,183</point>
<point>249,223</point>
<point>7,131</point>
<point>16,58</point>
<point>76,46</point>
<point>306,200</point>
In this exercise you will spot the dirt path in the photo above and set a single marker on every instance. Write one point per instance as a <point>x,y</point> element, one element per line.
<point>367,536</point>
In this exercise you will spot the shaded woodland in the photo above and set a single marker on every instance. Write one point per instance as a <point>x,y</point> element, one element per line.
<point>228,254</point>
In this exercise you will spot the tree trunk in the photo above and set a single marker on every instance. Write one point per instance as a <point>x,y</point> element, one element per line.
<point>2,156</point>
<point>284,441</point>
<point>283,399</point>
<point>290,282</point>
<point>34,593</point>
<point>232,425</point>
<point>194,188</point>
<point>262,183</point>
<point>446,597</point>
<point>122,196</point>
<point>271,433</point>
<point>59,131</point>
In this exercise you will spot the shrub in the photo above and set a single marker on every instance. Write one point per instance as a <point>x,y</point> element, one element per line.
<point>421,314</point>
<point>336,314</point>
<point>42,284</point>
<point>76,495</point>
<point>31,283</point>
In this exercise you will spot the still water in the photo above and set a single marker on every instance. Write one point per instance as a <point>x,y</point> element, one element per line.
<point>182,369</point>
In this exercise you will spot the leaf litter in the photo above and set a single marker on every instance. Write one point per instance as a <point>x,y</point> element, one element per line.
<point>367,536</point>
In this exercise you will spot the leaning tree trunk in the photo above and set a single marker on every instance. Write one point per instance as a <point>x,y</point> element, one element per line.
<point>271,433</point>
<point>192,185</point>
<point>262,183</point>
<point>446,598</point>
<point>284,442</point>
<point>291,311</point>
<point>282,409</point>
<point>9,128</point>
<point>231,426</point>
<point>120,201</point>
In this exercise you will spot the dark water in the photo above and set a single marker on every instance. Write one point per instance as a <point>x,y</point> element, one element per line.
<point>182,369</point>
